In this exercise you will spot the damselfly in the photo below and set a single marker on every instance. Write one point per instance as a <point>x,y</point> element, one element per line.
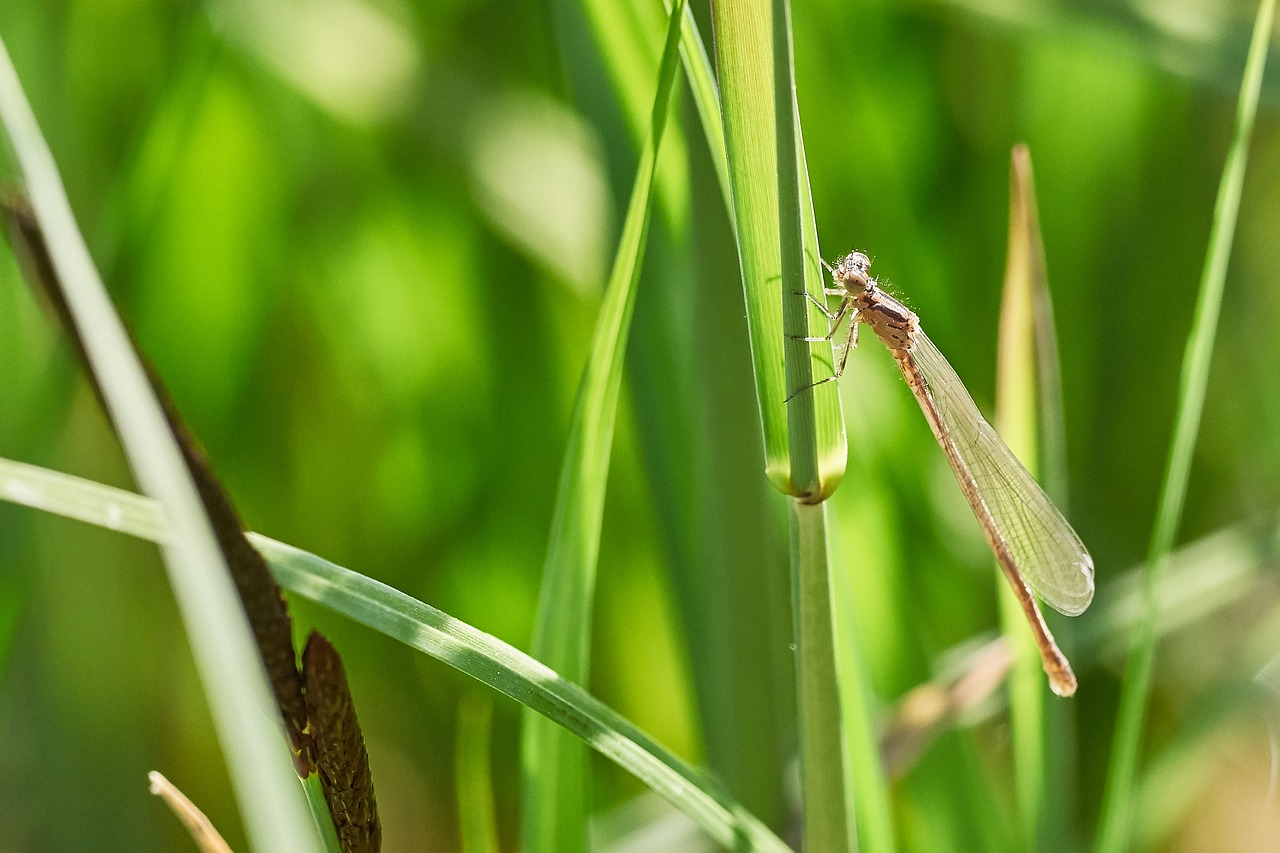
<point>1034,545</point>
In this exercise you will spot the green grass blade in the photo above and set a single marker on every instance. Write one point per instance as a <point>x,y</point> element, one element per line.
<point>801,410</point>
<point>313,789</point>
<point>617,36</point>
<point>83,500</point>
<point>827,800</point>
<point>744,56</point>
<point>755,773</point>
<point>865,781</point>
<point>554,762</point>
<point>706,98</point>
<point>1017,393</point>
<point>270,799</point>
<point>1051,440</point>
<point>469,650</point>
<point>524,679</point>
<point>830,443</point>
<point>861,715</point>
<point>1053,819</point>
<point>625,35</point>
<point>825,793</point>
<point>1114,828</point>
<point>712,525</point>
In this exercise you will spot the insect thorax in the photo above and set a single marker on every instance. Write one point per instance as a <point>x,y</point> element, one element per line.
<point>893,322</point>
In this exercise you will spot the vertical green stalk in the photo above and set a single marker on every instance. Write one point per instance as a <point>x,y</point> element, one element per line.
<point>828,805</point>
<point>1118,795</point>
<point>805,451</point>
<point>827,797</point>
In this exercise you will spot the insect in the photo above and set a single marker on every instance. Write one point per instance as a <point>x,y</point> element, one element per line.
<point>1035,546</point>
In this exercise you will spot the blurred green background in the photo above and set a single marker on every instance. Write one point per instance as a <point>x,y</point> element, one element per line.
<point>364,243</point>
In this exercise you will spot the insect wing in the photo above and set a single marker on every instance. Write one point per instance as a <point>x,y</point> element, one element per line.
<point>1047,552</point>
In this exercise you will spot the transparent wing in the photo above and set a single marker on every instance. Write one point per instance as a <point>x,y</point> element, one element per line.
<point>1045,549</point>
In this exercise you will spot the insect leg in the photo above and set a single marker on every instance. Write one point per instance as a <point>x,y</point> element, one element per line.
<point>834,318</point>
<point>850,342</point>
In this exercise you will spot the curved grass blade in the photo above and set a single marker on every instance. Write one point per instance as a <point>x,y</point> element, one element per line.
<point>1114,825</point>
<point>706,98</point>
<point>399,616</point>
<point>234,680</point>
<point>554,762</point>
<point>625,34</point>
<point>524,679</point>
